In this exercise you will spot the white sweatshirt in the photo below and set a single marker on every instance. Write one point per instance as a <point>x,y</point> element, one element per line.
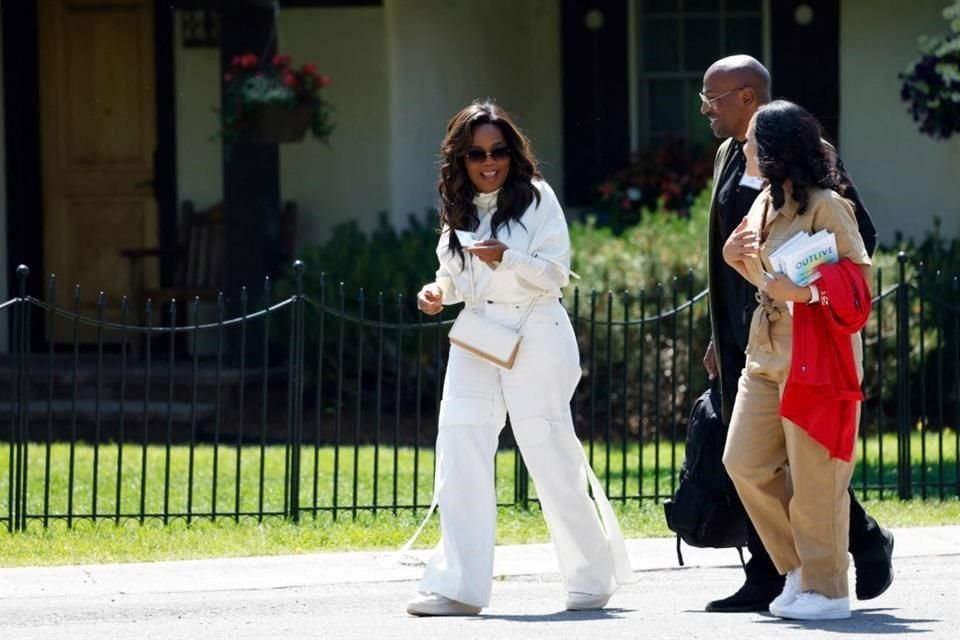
<point>537,259</point>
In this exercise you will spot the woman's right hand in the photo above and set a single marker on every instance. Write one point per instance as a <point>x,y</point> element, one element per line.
<point>741,244</point>
<point>430,299</point>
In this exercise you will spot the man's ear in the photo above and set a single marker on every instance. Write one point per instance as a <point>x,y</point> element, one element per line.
<point>749,96</point>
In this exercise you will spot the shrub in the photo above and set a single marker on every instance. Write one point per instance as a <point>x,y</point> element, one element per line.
<point>641,378</point>
<point>931,83</point>
<point>384,260</point>
<point>667,177</point>
<point>661,247</point>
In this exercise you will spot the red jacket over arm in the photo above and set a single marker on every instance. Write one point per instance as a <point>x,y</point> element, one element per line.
<point>823,386</point>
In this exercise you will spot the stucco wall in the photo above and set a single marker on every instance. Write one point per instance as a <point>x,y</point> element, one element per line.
<point>399,72</point>
<point>905,178</point>
<point>349,178</point>
<point>443,54</point>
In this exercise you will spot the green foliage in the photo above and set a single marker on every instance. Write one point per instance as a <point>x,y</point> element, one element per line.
<point>935,251</point>
<point>931,83</point>
<point>932,275</point>
<point>664,177</point>
<point>661,247</point>
<point>664,351</point>
<point>385,260</point>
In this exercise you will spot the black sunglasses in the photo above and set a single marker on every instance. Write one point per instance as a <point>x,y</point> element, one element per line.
<point>479,155</point>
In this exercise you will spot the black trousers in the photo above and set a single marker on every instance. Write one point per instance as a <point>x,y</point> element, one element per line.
<point>864,530</point>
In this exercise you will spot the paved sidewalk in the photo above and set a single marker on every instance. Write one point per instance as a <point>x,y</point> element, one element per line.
<point>334,595</point>
<point>272,572</point>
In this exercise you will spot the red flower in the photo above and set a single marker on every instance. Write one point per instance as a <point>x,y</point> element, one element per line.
<point>293,85</point>
<point>607,189</point>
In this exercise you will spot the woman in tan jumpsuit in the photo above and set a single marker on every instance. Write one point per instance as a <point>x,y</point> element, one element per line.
<point>793,490</point>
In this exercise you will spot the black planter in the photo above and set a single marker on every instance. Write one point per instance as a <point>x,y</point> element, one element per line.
<point>273,123</point>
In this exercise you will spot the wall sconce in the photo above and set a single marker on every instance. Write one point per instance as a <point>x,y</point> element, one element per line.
<point>201,28</point>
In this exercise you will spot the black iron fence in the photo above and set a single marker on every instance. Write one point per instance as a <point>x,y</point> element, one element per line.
<point>302,403</point>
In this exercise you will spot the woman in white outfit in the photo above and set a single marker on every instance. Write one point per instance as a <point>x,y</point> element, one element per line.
<point>489,185</point>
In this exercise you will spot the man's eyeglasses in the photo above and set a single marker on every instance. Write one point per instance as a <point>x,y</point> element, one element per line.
<point>709,102</point>
<point>479,155</point>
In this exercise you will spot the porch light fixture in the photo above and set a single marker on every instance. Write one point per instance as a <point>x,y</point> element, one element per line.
<point>593,20</point>
<point>803,15</point>
<point>201,28</point>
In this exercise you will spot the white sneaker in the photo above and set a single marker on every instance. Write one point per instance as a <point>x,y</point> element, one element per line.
<point>577,601</point>
<point>811,605</point>
<point>791,589</point>
<point>434,604</point>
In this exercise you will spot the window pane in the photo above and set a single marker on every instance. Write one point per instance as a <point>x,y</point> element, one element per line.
<point>701,5</point>
<point>698,126</point>
<point>660,50</point>
<point>701,43</point>
<point>659,6</point>
<point>745,35</point>
<point>667,112</point>
<point>743,5</point>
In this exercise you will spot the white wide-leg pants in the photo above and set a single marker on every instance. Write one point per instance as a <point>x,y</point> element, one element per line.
<point>536,393</point>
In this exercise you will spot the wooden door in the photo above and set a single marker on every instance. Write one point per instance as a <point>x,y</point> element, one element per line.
<point>98,133</point>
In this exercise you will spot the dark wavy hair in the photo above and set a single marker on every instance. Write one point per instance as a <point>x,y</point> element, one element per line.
<point>457,210</point>
<point>790,147</point>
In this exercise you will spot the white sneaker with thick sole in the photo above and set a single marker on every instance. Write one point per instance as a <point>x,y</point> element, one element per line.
<point>811,605</point>
<point>434,604</point>
<point>791,589</point>
<point>577,601</point>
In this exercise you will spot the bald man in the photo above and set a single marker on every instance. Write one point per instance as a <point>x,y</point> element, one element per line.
<point>733,89</point>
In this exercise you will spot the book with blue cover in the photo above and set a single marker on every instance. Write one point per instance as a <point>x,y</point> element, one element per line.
<point>799,257</point>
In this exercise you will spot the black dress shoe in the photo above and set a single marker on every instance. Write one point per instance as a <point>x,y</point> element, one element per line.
<point>750,597</point>
<point>875,567</point>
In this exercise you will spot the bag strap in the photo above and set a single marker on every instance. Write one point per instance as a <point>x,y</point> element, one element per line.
<point>618,549</point>
<point>475,306</point>
<point>397,556</point>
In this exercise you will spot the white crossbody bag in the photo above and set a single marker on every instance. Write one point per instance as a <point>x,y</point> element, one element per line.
<point>484,338</point>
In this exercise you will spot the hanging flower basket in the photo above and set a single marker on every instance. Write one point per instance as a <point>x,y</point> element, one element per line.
<point>275,123</point>
<point>275,102</point>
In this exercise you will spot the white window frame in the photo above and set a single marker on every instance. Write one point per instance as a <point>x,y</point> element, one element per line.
<point>639,131</point>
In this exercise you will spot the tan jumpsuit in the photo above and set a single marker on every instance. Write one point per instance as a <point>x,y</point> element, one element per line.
<point>802,515</point>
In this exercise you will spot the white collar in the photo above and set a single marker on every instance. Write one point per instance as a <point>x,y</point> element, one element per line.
<point>486,202</point>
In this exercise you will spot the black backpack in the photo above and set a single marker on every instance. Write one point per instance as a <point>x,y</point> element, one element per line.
<point>706,511</point>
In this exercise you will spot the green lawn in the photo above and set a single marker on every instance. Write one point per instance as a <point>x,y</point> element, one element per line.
<point>105,541</point>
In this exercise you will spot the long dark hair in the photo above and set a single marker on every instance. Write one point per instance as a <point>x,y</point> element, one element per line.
<point>457,210</point>
<point>790,147</point>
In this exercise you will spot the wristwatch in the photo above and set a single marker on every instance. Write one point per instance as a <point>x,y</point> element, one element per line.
<point>814,294</point>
